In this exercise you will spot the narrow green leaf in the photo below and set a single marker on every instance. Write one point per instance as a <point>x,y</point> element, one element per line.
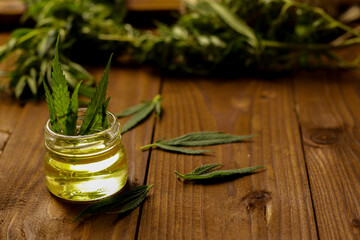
<point>134,203</point>
<point>182,150</point>
<point>205,139</point>
<point>73,112</point>
<point>104,121</point>
<point>196,139</point>
<point>205,168</point>
<point>20,86</point>
<point>31,81</point>
<point>158,108</point>
<point>96,102</point>
<point>131,110</point>
<point>52,114</point>
<point>138,117</point>
<point>60,91</point>
<point>235,23</point>
<point>86,91</point>
<point>127,200</point>
<point>218,174</point>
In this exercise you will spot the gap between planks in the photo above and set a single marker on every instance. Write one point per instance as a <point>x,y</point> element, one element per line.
<point>162,79</point>
<point>297,114</point>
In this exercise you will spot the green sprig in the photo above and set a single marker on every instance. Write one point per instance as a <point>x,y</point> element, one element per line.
<point>196,139</point>
<point>63,110</point>
<point>206,172</point>
<point>126,202</point>
<point>140,112</point>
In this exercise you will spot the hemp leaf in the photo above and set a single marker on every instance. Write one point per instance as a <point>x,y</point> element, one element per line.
<point>96,103</point>
<point>127,201</point>
<point>52,113</point>
<point>196,139</point>
<point>204,173</point>
<point>73,111</point>
<point>63,110</point>
<point>141,112</point>
<point>60,92</point>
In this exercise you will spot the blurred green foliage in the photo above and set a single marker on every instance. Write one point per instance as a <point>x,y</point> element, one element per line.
<point>228,38</point>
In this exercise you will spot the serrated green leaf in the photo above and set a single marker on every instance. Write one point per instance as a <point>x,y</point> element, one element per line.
<point>127,200</point>
<point>218,174</point>
<point>182,150</point>
<point>132,110</point>
<point>134,203</point>
<point>52,114</point>
<point>205,168</point>
<point>138,117</point>
<point>60,91</point>
<point>96,102</point>
<point>196,139</point>
<point>205,139</point>
<point>142,111</point>
<point>73,112</point>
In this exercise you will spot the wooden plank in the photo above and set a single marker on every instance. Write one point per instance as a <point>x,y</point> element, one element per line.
<point>329,115</point>
<point>272,204</point>
<point>10,109</point>
<point>12,7</point>
<point>28,211</point>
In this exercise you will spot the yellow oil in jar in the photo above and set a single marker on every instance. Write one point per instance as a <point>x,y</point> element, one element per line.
<point>88,167</point>
<point>87,178</point>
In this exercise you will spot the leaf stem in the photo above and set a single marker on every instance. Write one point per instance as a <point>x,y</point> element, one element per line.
<point>276,44</point>
<point>179,175</point>
<point>326,16</point>
<point>156,98</point>
<point>148,146</point>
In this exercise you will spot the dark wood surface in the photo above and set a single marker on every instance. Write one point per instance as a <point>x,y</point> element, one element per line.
<point>308,136</point>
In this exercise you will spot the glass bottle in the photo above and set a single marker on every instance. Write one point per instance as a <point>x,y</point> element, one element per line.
<point>85,168</point>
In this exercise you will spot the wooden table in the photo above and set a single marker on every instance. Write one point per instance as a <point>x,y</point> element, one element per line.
<point>308,137</point>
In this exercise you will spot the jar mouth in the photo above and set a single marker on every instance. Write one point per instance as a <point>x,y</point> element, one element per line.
<point>113,127</point>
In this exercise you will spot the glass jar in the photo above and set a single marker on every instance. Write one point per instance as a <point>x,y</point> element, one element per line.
<point>85,168</point>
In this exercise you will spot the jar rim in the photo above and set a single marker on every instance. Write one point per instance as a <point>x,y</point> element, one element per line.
<point>114,123</point>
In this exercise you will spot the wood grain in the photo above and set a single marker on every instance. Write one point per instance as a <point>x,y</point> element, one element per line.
<point>28,211</point>
<point>9,109</point>
<point>272,204</point>
<point>329,116</point>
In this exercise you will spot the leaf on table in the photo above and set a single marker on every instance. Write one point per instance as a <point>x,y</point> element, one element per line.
<point>132,110</point>
<point>205,139</point>
<point>196,139</point>
<point>182,150</point>
<point>217,174</point>
<point>141,112</point>
<point>127,201</point>
<point>205,168</point>
<point>133,203</point>
<point>157,108</point>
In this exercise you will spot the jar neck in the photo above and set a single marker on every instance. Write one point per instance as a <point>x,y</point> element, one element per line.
<point>84,144</point>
